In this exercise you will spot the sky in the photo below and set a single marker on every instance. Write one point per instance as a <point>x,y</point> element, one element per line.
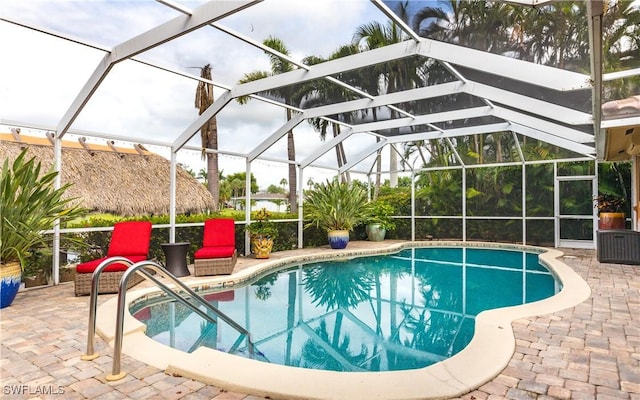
<point>42,74</point>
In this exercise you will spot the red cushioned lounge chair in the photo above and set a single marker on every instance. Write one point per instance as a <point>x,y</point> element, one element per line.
<point>129,239</point>
<point>218,254</point>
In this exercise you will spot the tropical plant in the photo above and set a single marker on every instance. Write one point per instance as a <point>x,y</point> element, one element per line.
<point>380,212</point>
<point>278,66</point>
<point>392,76</point>
<point>29,205</point>
<point>610,203</point>
<point>321,92</point>
<point>262,226</point>
<point>335,205</point>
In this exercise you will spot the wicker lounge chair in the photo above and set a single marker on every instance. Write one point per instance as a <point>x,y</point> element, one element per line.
<point>218,254</point>
<point>129,239</point>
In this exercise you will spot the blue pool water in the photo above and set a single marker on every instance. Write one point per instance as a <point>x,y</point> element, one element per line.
<point>381,313</point>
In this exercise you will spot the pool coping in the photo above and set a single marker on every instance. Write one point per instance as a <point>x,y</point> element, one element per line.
<point>487,354</point>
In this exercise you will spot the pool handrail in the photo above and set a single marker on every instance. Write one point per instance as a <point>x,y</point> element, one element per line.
<point>93,302</point>
<point>140,268</point>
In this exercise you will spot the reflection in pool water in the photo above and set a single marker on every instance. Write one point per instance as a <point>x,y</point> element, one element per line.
<point>379,313</point>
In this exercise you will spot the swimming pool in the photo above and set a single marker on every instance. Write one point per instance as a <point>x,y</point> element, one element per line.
<point>487,354</point>
<point>391,312</point>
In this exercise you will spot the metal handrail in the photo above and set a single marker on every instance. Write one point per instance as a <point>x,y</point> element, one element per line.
<point>93,302</point>
<point>140,268</point>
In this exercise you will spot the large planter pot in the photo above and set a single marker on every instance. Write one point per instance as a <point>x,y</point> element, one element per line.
<point>261,246</point>
<point>375,232</point>
<point>10,277</point>
<point>338,239</point>
<point>611,220</point>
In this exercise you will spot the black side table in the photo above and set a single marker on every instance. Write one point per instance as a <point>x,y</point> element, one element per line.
<point>176,256</point>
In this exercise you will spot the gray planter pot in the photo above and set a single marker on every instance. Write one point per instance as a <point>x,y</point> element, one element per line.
<point>375,232</point>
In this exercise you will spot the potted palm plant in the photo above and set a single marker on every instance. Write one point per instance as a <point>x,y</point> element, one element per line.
<point>611,211</point>
<point>262,232</point>
<point>336,207</point>
<point>29,205</point>
<point>379,220</point>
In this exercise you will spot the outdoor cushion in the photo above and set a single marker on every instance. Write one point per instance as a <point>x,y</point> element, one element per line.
<point>130,238</point>
<point>219,232</point>
<point>90,266</point>
<point>214,252</point>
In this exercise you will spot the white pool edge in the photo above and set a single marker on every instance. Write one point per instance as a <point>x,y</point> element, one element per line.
<point>484,358</point>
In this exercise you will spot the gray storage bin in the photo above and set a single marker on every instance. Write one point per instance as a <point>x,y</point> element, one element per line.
<point>619,246</point>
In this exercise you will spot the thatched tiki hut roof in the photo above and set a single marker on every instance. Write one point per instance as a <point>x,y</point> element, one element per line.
<point>114,180</point>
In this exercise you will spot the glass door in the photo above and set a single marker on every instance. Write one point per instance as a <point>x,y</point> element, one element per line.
<point>575,214</point>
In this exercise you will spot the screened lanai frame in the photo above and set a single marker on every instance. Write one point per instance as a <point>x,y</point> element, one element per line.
<point>577,131</point>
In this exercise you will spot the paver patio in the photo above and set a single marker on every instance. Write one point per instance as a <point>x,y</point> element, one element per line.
<point>591,351</point>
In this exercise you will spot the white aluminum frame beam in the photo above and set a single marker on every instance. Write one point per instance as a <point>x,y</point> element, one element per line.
<point>385,100</point>
<point>552,111</point>
<point>554,140</point>
<point>529,104</point>
<point>360,60</point>
<point>424,119</point>
<point>326,147</point>
<point>525,71</point>
<point>573,135</point>
<point>413,137</point>
<point>274,137</point>
<point>162,33</point>
<point>536,74</point>
<point>452,133</point>
<point>209,113</point>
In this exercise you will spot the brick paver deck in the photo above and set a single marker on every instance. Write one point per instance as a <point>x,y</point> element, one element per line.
<point>591,351</point>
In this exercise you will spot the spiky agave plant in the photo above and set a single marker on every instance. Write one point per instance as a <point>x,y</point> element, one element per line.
<point>29,205</point>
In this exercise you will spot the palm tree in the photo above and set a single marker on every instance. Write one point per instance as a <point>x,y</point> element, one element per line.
<point>208,133</point>
<point>559,36</point>
<point>395,75</point>
<point>621,47</point>
<point>237,186</point>
<point>202,176</point>
<point>476,24</point>
<point>322,92</point>
<point>279,66</point>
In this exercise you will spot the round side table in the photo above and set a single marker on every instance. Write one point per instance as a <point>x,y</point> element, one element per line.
<point>176,256</point>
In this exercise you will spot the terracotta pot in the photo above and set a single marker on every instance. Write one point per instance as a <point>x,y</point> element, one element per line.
<point>611,220</point>
<point>261,246</point>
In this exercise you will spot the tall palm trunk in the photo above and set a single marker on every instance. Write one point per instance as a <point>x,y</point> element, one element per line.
<point>209,134</point>
<point>293,176</point>
<point>341,156</point>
